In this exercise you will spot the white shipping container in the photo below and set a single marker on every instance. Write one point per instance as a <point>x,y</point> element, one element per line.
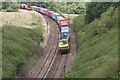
<point>42,10</point>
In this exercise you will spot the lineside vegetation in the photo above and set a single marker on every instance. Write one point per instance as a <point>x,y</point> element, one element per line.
<point>97,50</point>
<point>18,46</point>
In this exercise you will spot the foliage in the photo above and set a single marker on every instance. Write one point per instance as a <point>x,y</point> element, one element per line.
<point>61,7</point>
<point>97,53</point>
<point>10,6</point>
<point>94,10</point>
<point>0,6</point>
<point>18,45</point>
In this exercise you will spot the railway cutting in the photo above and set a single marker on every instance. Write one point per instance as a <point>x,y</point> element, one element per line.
<point>60,49</point>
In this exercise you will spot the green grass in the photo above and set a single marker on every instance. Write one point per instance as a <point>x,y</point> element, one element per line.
<point>18,45</point>
<point>0,54</point>
<point>97,53</point>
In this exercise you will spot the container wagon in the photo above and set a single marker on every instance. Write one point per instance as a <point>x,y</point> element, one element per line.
<point>55,15</point>
<point>51,13</point>
<point>64,33</point>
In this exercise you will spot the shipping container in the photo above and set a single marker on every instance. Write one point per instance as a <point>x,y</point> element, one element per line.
<point>55,15</point>
<point>31,8</point>
<point>64,32</point>
<point>50,13</point>
<point>37,9</point>
<point>22,6</point>
<point>63,23</point>
<point>41,10</point>
<point>45,11</point>
<point>34,8</point>
<point>59,18</point>
<point>26,7</point>
<point>65,29</point>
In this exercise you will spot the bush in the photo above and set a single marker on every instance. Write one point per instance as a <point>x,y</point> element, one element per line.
<point>10,6</point>
<point>94,10</point>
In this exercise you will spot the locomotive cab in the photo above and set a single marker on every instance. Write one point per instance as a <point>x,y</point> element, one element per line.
<point>63,45</point>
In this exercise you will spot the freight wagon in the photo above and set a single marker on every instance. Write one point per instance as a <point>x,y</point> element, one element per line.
<point>51,13</point>
<point>61,22</point>
<point>55,15</point>
<point>64,33</point>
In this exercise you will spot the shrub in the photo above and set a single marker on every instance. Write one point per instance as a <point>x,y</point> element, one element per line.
<point>10,6</point>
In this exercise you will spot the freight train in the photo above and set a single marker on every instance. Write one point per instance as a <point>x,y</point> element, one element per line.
<point>59,19</point>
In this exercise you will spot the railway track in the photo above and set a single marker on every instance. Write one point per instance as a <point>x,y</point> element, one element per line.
<point>52,63</point>
<point>63,62</point>
<point>50,51</point>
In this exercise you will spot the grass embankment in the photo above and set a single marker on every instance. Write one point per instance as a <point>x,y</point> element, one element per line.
<point>97,53</point>
<point>18,45</point>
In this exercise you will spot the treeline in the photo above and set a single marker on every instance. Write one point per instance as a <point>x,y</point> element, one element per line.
<point>9,6</point>
<point>60,7</point>
<point>95,9</point>
<point>69,7</point>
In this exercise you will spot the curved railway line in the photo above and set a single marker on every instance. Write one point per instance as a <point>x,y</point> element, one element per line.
<point>52,63</point>
<point>50,51</point>
<point>53,51</point>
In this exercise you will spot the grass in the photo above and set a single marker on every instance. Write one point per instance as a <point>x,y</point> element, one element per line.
<point>18,45</point>
<point>97,52</point>
<point>0,54</point>
<point>28,19</point>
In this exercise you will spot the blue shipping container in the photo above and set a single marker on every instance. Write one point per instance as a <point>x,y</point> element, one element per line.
<point>56,15</point>
<point>65,29</point>
<point>64,32</point>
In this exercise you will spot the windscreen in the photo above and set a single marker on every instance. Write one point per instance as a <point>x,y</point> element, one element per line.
<point>63,42</point>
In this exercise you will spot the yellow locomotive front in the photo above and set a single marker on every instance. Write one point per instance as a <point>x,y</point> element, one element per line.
<point>63,45</point>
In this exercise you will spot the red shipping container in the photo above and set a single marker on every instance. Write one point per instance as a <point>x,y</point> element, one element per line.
<point>45,11</point>
<point>60,18</point>
<point>50,13</point>
<point>31,8</point>
<point>34,7</point>
<point>62,23</point>
<point>26,6</point>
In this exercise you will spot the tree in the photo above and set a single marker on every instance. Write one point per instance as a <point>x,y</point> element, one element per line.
<point>10,6</point>
<point>94,10</point>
